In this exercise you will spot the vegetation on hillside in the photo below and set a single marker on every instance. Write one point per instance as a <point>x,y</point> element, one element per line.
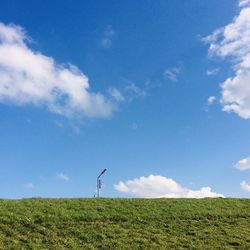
<point>125,224</point>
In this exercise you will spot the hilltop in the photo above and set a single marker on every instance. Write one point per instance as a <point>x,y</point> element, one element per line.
<point>125,223</point>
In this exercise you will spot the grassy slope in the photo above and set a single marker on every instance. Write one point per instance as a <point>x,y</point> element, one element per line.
<point>125,224</point>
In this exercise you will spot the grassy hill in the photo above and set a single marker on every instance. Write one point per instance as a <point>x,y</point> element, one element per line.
<point>125,224</point>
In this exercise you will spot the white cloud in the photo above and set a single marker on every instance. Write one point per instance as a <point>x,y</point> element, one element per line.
<point>28,77</point>
<point>243,164</point>
<point>156,186</point>
<point>116,94</point>
<point>134,89</point>
<point>62,177</point>
<point>29,185</point>
<point>245,186</point>
<point>243,3</point>
<point>211,100</point>
<point>107,39</point>
<point>172,73</point>
<point>233,41</point>
<point>212,72</point>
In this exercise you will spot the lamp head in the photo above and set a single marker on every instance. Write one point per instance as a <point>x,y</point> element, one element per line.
<point>103,171</point>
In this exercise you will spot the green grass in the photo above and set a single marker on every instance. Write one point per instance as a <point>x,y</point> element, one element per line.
<point>125,224</point>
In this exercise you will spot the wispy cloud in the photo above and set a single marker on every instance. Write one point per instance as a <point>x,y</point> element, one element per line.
<point>172,73</point>
<point>211,100</point>
<point>30,78</point>
<point>245,186</point>
<point>243,3</point>
<point>116,94</point>
<point>62,177</point>
<point>29,185</point>
<point>243,164</point>
<point>129,91</point>
<point>212,72</point>
<point>156,186</point>
<point>107,39</point>
<point>134,89</point>
<point>233,42</point>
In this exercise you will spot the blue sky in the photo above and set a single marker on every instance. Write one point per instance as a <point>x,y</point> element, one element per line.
<point>154,91</point>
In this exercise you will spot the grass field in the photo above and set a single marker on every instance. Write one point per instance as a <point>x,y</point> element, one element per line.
<point>125,224</point>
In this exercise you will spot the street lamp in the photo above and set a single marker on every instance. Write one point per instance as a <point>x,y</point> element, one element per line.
<point>99,183</point>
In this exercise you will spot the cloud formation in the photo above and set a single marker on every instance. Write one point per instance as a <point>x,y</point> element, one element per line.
<point>211,100</point>
<point>243,164</point>
<point>212,72</point>
<point>243,3</point>
<point>245,186</point>
<point>172,74</point>
<point>107,39</point>
<point>116,94</point>
<point>62,177</point>
<point>156,186</point>
<point>233,41</point>
<point>29,185</point>
<point>28,77</point>
<point>134,89</point>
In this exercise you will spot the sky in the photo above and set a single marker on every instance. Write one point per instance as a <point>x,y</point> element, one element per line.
<point>157,92</point>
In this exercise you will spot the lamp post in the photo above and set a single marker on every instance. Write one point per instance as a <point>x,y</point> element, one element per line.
<point>99,183</point>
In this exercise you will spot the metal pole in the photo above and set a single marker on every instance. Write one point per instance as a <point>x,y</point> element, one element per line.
<point>98,186</point>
